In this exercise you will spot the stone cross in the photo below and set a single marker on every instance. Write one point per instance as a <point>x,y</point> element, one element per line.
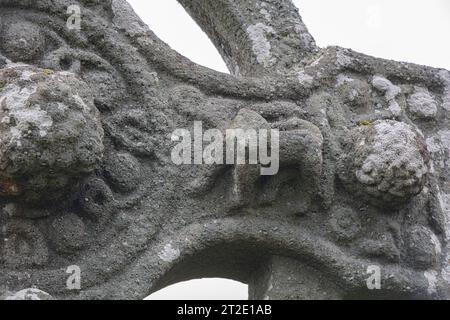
<point>93,207</point>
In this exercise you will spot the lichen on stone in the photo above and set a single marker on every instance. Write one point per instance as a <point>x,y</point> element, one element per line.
<point>261,46</point>
<point>50,131</point>
<point>390,91</point>
<point>386,162</point>
<point>422,104</point>
<point>29,294</point>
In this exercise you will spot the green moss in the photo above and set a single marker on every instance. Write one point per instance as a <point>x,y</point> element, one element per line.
<point>2,84</point>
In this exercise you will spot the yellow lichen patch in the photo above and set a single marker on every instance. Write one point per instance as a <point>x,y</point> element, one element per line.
<point>366,123</point>
<point>48,72</point>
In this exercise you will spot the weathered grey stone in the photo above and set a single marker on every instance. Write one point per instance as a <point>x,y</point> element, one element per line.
<point>22,245</point>
<point>380,246</point>
<point>21,41</point>
<point>274,282</point>
<point>354,92</point>
<point>423,247</point>
<point>123,170</point>
<point>390,91</point>
<point>345,223</point>
<point>422,104</point>
<point>50,129</point>
<point>68,233</point>
<point>387,162</point>
<point>245,176</point>
<point>363,178</point>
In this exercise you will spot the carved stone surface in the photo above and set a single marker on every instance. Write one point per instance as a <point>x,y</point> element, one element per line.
<point>86,176</point>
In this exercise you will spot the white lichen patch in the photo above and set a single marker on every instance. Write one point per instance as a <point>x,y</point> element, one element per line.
<point>26,75</point>
<point>390,91</point>
<point>433,144</point>
<point>436,243</point>
<point>30,294</point>
<point>169,253</point>
<point>48,124</point>
<point>431,277</point>
<point>260,44</point>
<point>422,104</point>
<point>391,164</point>
<point>305,79</point>
<point>15,104</point>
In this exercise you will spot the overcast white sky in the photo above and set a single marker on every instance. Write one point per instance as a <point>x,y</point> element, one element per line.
<point>406,30</point>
